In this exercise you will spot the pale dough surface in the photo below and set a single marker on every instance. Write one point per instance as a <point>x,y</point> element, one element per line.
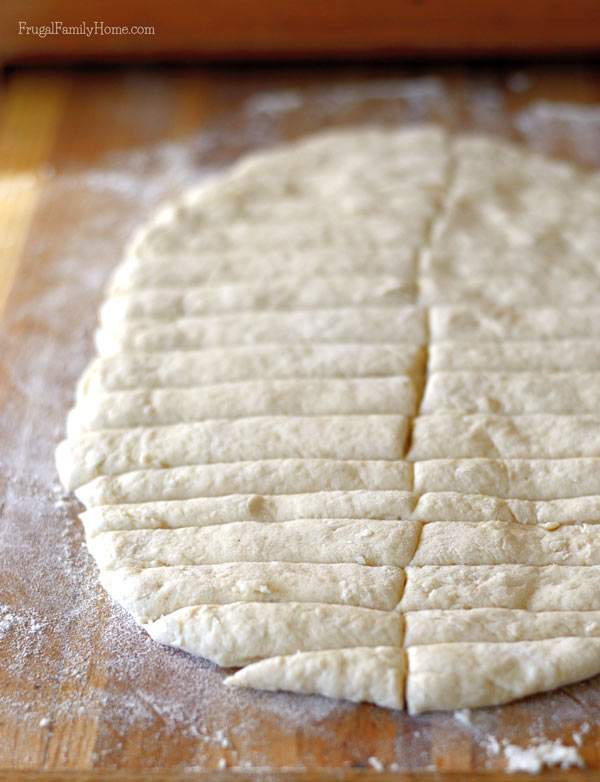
<point>344,424</point>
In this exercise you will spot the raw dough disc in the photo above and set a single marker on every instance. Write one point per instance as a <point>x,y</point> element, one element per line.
<point>343,426</point>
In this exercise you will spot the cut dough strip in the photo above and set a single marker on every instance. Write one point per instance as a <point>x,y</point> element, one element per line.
<point>528,288</point>
<point>579,355</point>
<point>290,292</point>
<point>502,437</point>
<point>393,324</point>
<point>500,543</point>
<point>375,675</point>
<point>152,592</point>
<point>469,675</point>
<point>185,369</point>
<point>191,268</point>
<point>309,232</point>
<point>240,633</point>
<point>529,479</point>
<point>532,588</point>
<point>121,409</point>
<point>471,324</point>
<point>204,511</point>
<point>112,452</point>
<point>497,624</point>
<point>327,541</point>
<point>266,476</point>
<point>442,506</point>
<point>512,393</point>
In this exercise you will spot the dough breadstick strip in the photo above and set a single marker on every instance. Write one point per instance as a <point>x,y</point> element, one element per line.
<point>365,542</point>
<point>152,592</point>
<point>265,476</point>
<point>115,451</point>
<point>528,356</point>
<point>497,624</point>
<point>240,633</point>
<point>499,542</point>
<point>185,369</point>
<point>289,292</point>
<point>120,409</point>
<point>528,479</point>
<point>512,393</point>
<point>375,675</point>
<point>444,435</point>
<point>204,511</point>
<point>529,587</point>
<point>469,675</point>
<point>393,324</point>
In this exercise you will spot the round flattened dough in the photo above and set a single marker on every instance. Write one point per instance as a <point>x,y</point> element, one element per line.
<point>258,490</point>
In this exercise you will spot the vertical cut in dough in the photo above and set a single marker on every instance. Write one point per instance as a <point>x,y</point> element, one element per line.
<point>374,674</point>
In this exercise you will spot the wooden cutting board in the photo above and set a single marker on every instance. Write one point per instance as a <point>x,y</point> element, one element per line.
<point>84,156</point>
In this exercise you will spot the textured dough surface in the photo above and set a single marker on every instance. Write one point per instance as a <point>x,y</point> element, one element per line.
<point>239,633</point>
<point>343,427</point>
<point>376,675</point>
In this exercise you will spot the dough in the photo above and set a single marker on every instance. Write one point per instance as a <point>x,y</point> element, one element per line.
<point>507,323</point>
<point>340,540</point>
<point>148,593</point>
<point>512,393</point>
<point>376,675</point>
<point>266,476</point>
<point>190,369</point>
<point>116,451</point>
<point>468,675</point>
<point>505,543</point>
<point>275,293</point>
<point>497,624</point>
<point>239,633</point>
<point>343,426</point>
<point>158,407</point>
<point>443,435</point>
<point>203,511</point>
<point>384,324</point>
<point>442,506</point>
<point>530,587</point>
<point>579,355</point>
<point>532,479</point>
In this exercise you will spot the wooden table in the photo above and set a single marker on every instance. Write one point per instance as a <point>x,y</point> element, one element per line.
<point>84,156</point>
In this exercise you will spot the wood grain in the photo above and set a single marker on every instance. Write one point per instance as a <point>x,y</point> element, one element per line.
<point>84,692</point>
